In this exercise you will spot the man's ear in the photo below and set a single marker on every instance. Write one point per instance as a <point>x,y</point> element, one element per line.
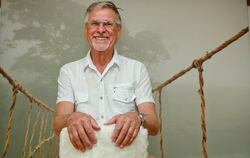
<point>119,31</point>
<point>85,30</point>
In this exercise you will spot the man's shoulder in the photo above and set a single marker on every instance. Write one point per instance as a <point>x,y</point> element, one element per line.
<point>74,64</point>
<point>130,61</point>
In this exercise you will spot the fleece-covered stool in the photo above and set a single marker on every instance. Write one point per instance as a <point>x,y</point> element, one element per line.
<point>105,148</point>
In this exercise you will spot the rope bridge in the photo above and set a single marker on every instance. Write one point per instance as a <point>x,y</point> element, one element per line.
<point>41,127</point>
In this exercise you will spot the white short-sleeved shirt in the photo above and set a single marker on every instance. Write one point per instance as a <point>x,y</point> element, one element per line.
<point>123,85</point>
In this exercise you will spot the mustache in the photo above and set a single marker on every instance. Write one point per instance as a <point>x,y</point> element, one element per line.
<point>100,35</point>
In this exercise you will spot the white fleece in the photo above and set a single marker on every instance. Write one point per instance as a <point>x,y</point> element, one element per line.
<point>105,147</point>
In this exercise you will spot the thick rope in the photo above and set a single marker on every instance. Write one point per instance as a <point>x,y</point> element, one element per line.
<point>203,112</point>
<point>11,112</point>
<point>161,125</point>
<point>198,64</point>
<point>25,92</point>
<point>17,87</point>
<point>202,59</point>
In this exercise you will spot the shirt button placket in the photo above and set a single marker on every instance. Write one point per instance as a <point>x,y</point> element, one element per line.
<point>101,99</point>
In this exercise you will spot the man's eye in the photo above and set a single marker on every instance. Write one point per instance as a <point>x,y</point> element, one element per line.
<point>108,24</point>
<point>94,23</point>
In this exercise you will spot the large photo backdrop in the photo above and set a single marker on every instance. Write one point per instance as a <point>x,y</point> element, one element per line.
<point>38,37</point>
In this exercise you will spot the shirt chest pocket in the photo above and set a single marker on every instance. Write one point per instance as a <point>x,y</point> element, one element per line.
<point>124,93</point>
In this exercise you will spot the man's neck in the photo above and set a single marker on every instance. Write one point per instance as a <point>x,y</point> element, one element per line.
<point>101,59</point>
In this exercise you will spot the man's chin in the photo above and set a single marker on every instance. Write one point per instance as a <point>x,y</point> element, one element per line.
<point>101,48</point>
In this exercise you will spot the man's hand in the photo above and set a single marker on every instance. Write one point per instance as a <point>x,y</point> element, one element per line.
<point>126,128</point>
<point>81,128</point>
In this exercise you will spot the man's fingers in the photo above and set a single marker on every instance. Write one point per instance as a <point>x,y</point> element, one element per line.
<point>72,142</point>
<point>128,136</point>
<point>134,135</point>
<point>81,128</point>
<point>94,124</point>
<point>75,140</point>
<point>90,133</point>
<point>111,121</point>
<point>118,128</point>
<point>122,134</point>
<point>84,138</point>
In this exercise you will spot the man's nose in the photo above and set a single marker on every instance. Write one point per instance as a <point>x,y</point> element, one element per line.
<point>101,28</point>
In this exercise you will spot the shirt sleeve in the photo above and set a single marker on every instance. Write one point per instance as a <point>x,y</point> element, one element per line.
<point>143,89</point>
<point>65,91</point>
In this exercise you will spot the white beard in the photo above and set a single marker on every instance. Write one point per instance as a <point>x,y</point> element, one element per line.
<point>100,47</point>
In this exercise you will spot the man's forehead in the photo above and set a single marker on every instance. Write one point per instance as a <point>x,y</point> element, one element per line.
<point>102,14</point>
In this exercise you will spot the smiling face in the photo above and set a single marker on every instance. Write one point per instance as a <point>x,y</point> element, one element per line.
<point>101,30</point>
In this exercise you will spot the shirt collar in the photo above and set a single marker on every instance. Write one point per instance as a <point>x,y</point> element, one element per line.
<point>89,63</point>
<point>116,59</point>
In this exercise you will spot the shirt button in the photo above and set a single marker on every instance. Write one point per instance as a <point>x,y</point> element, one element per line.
<point>101,97</point>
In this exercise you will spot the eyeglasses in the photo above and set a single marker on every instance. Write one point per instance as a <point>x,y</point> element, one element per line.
<point>107,24</point>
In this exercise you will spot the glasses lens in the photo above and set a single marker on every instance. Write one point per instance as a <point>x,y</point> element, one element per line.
<point>96,23</point>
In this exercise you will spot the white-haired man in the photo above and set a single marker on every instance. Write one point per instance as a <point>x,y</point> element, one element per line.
<point>104,87</point>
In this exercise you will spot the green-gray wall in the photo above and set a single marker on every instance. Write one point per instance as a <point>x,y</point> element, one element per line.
<point>37,37</point>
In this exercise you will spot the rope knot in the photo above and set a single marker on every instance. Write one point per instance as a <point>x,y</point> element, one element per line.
<point>196,63</point>
<point>16,86</point>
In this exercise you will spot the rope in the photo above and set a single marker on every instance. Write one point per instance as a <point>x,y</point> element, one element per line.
<point>161,125</point>
<point>25,92</point>
<point>52,143</point>
<point>27,130</point>
<point>11,111</point>
<point>197,63</point>
<point>34,129</point>
<point>203,113</point>
<point>202,59</point>
<point>44,130</point>
<point>40,145</point>
<point>17,87</point>
<point>41,131</point>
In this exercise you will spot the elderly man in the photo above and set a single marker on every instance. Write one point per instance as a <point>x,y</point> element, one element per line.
<point>104,87</point>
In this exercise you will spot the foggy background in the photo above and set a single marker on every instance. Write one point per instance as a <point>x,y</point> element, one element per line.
<point>38,37</point>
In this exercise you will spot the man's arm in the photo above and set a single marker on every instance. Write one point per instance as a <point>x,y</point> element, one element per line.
<point>63,111</point>
<point>151,120</point>
<point>80,126</point>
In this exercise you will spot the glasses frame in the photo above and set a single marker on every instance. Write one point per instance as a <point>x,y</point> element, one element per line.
<point>107,24</point>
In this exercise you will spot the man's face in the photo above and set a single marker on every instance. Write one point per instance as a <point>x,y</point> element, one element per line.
<point>101,31</point>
